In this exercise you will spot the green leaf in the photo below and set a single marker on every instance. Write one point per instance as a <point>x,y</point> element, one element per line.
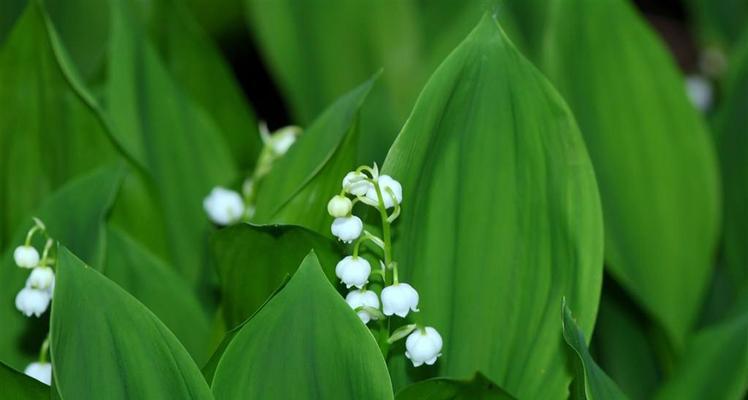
<point>10,11</point>
<point>653,159</point>
<point>17,386</point>
<point>306,343</point>
<point>297,189</point>
<point>179,145</point>
<point>105,344</point>
<point>478,388</point>
<point>252,261</point>
<point>730,123</point>
<point>157,285</point>
<point>74,215</point>
<point>597,385</point>
<point>500,213</point>
<point>720,22</point>
<point>47,134</point>
<point>714,364</point>
<point>197,65</point>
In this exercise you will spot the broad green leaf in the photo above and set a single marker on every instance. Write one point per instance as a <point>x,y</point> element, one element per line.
<point>179,145</point>
<point>10,11</point>
<point>105,344</point>
<point>653,159</point>
<point>500,218</point>
<point>17,386</point>
<point>297,189</point>
<point>714,364</point>
<point>74,215</point>
<point>47,134</point>
<point>305,343</point>
<point>252,261</point>
<point>719,22</point>
<point>623,347</point>
<point>197,65</point>
<point>160,288</point>
<point>594,384</point>
<point>730,126</point>
<point>478,388</point>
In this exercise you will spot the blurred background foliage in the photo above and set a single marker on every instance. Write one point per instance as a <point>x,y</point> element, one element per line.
<point>114,79</point>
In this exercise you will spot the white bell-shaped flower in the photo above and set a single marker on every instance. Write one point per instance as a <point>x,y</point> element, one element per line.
<point>353,271</point>
<point>389,188</point>
<point>356,184</point>
<point>399,299</point>
<point>32,301</point>
<point>339,206</point>
<point>700,91</point>
<point>224,206</point>
<point>41,278</point>
<point>363,298</point>
<point>26,256</point>
<point>41,371</point>
<point>424,345</point>
<point>283,139</point>
<point>347,229</point>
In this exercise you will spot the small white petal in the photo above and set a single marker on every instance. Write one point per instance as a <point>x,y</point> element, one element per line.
<point>356,184</point>
<point>700,91</point>
<point>339,206</point>
<point>353,271</point>
<point>283,139</point>
<point>224,206</point>
<point>26,256</point>
<point>389,188</point>
<point>41,278</point>
<point>363,298</point>
<point>31,301</point>
<point>41,371</point>
<point>347,229</point>
<point>423,346</point>
<point>399,300</point>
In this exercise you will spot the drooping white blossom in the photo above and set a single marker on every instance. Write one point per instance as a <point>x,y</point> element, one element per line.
<point>26,256</point>
<point>41,278</point>
<point>399,299</point>
<point>283,139</point>
<point>347,229</point>
<point>363,298</point>
<point>700,91</point>
<point>353,271</point>
<point>356,183</point>
<point>389,188</point>
<point>32,301</point>
<point>424,345</point>
<point>41,371</point>
<point>224,206</point>
<point>339,206</point>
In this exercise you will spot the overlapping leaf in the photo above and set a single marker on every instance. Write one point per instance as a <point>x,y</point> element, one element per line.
<point>47,134</point>
<point>73,215</point>
<point>252,261</point>
<point>105,344</point>
<point>478,388</point>
<point>501,217</point>
<point>297,189</point>
<point>305,343</point>
<point>653,159</point>
<point>17,386</point>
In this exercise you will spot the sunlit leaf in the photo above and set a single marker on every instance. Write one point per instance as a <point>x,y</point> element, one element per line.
<point>500,213</point>
<point>305,343</point>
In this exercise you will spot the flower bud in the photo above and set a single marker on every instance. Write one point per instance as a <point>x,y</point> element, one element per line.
<point>347,229</point>
<point>339,206</point>
<point>224,206</point>
<point>41,278</point>
<point>353,271</point>
<point>283,139</point>
<point>41,371</point>
<point>423,346</point>
<point>26,256</point>
<point>356,184</point>
<point>32,301</point>
<point>388,187</point>
<point>399,299</point>
<point>363,298</point>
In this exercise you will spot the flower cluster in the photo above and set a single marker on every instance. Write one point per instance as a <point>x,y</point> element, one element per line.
<point>365,185</point>
<point>34,298</point>
<point>225,206</point>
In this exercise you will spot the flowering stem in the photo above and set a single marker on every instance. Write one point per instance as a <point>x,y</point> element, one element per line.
<point>44,351</point>
<point>387,236</point>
